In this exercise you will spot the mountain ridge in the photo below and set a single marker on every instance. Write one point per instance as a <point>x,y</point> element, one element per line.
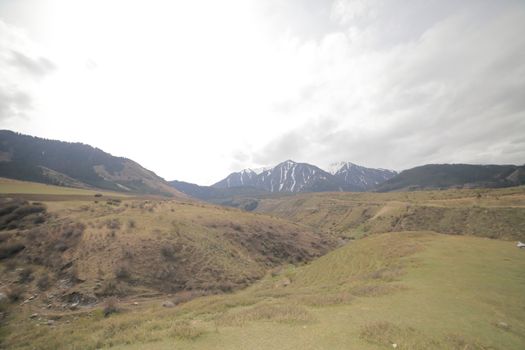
<point>74,164</point>
<point>291,176</point>
<point>443,176</point>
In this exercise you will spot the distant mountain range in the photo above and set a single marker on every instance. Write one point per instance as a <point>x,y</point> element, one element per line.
<point>36,159</point>
<point>239,188</point>
<point>443,176</point>
<point>29,158</point>
<point>290,176</point>
<point>360,178</point>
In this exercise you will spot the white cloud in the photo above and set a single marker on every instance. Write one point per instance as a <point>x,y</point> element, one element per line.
<point>453,94</point>
<point>193,90</point>
<point>21,70</point>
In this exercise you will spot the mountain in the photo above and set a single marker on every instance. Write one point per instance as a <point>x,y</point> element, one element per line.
<point>244,177</point>
<point>287,176</point>
<point>356,176</point>
<point>29,158</point>
<point>440,176</point>
<point>290,176</point>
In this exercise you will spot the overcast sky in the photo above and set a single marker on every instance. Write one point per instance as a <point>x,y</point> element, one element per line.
<point>196,89</point>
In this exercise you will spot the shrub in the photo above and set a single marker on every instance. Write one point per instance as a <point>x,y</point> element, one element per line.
<point>13,214</point>
<point>43,282</point>
<point>25,275</point>
<point>111,288</point>
<point>131,224</point>
<point>110,306</point>
<point>10,250</point>
<point>122,272</point>
<point>15,293</point>
<point>113,224</point>
<point>60,246</point>
<point>168,251</point>
<point>73,230</point>
<point>237,227</point>
<point>114,201</point>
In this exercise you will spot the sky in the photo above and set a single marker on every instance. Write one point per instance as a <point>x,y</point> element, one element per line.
<point>194,90</point>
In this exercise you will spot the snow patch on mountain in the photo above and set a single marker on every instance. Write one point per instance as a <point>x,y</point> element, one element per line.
<point>290,176</point>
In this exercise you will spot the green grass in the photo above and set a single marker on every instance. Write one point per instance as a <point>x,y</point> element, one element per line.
<point>419,290</point>
<point>8,186</point>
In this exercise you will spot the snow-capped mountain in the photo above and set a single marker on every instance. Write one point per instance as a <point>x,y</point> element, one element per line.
<point>360,177</point>
<point>290,176</point>
<point>287,176</point>
<point>242,178</point>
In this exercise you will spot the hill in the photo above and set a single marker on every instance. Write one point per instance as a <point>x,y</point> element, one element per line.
<point>29,158</point>
<point>87,272</point>
<point>441,176</point>
<point>494,213</point>
<point>408,290</point>
<point>90,247</point>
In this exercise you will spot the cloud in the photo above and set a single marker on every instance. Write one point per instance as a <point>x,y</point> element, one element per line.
<point>39,66</point>
<point>448,87</point>
<point>21,70</point>
<point>14,104</point>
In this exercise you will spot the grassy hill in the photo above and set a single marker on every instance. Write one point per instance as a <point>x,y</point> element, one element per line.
<point>441,176</point>
<point>86,272</point>
<point>29,158</point>
<point>494,213</point>
<point>417,290</point>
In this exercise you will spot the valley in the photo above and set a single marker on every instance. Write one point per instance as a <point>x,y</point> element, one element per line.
<point>422,270</point>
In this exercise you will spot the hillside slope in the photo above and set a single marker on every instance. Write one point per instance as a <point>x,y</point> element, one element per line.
<point>441,176</point>
<point>29,158</point>
<point>408,290</point>
<point>93,247</point>
<point>494,213</point>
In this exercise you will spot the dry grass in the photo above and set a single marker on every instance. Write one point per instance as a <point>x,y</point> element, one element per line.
<point>185,329</point>
<point>419,290</point>
<point>389,335</point>
<point>281,313</point>
<point>492,213</point>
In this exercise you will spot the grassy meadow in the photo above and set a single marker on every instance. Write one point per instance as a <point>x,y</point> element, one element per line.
<point>418,290</point>
<point>49,192</point>
<point>418,270</point>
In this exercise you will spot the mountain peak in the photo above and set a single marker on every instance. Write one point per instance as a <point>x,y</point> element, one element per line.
<point>334,168</point>
<point>247,171</point>
<point>288,162</point>
<point>290,176</point>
